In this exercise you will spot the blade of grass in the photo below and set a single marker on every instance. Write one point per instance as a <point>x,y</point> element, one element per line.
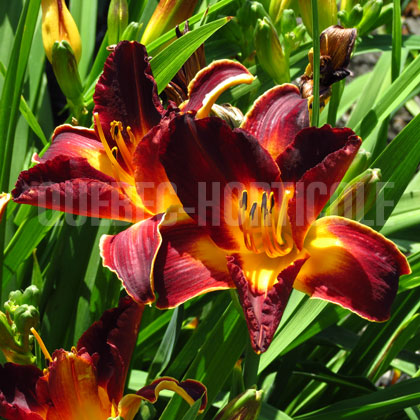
<point>396,39</point>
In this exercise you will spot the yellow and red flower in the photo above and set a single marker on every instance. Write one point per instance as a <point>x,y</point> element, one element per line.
<point>88,381</point>
<point>238,209</point>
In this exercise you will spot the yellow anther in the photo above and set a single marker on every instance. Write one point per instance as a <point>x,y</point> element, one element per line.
<point>131,135</point>
<point>41,345</point>
<point>116,129</point>
<point>121,174</point>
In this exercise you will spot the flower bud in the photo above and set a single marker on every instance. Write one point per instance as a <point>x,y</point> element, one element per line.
<point>360,163</point>
<point>232,115</point>
<point>245,406</point>
<point>352,18</point>
<point>65,69</point>
<point>4,199</point>
<point>249,13</point>
<point>167,15</point>
<point>25,317</point>
<point>58,25</point>
<point>358,196</point>
<point>327,14</point>
<point>276,9</point>
<point>117,20</point>
<point>270,52</point>
<point>288,21</point>
<point>131,32</point>
<point>371,12</point>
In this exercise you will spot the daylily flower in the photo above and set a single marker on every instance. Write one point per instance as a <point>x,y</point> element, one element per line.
<point>253,196</point>
<point>263,239</point>
<point>4,199</point>
<point>88,381</point>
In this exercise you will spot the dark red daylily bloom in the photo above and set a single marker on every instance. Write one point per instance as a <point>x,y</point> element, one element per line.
<point>91,172</point>
<point>253,196</point>
<point>88,381</point>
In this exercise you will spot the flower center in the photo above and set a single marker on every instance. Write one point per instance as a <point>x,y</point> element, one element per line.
<point>263,224</point>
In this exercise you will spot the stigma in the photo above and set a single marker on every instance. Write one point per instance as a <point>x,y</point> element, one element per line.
<point>264,224</point>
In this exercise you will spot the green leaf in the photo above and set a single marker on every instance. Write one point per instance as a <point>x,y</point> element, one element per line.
<point>167,63</point>
<point>166,347</point>
<point>192,413</point>
<point>215,359</point>
<point>376,404</point>
<point>27,113</point>
<point>398,163</point>
<point>391,99</point>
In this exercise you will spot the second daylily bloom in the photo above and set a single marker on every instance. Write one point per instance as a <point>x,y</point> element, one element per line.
<point>87,382</point>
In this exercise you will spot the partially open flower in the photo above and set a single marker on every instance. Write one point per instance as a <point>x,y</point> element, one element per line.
<point>58,25</point>
<point>336,44</point>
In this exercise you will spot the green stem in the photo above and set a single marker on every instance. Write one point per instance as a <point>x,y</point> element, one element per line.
<point>316,63</point>
<point>337,91</point>
<point>396,40</point>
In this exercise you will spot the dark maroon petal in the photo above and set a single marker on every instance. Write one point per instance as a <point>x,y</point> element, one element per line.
<point>188,264</point>
<point>211,82</point>
<point>126,91</point>
<point>189,389</point>
<point>263,310</point>
<point>276,117</point>
<point>18,398</point>
<point>210,165</point>
<point>314,164</point>
<point>113,338</point>
<point>131,255</point>
<point>74,186</point>
<point>353,266</point>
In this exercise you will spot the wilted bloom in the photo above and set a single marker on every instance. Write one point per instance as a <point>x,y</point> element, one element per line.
<point>4,199</point>
<point>336,45</point>
<point>58,25</point>
<point>88,381</point>
<point>167,15</point>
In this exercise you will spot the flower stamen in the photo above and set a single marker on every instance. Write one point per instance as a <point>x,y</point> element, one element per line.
<point>116,128</point>
<point>41,344</point>
<point>122,175</point>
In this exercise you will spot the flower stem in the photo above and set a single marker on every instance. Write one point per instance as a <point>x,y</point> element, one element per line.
<point>316,63</point>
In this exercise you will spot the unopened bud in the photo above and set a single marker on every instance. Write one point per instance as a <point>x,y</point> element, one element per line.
<point>276,9</point>
<point>117,20</point>
<point>58,25</point>
<point>358,196</point>
<point>351,19</point>
<point>249,13</point>
<point>371,12</point>
<point>232,115</point>
<point>245,406</point>
<point>167,15</point>
<point>327,14</point>
<point>270,52</point>
<point>65,70</point>
<point>288,21</point>
<point>26,317</point>
<point>360,164</point>
<point>131,32</point>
